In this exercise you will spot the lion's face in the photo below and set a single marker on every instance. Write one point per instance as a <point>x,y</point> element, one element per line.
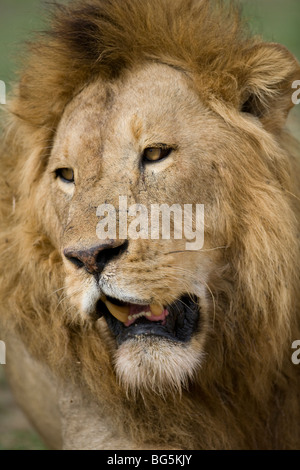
<point>146,137</point>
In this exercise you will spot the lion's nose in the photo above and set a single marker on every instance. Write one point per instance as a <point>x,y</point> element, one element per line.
<point>95,258</point>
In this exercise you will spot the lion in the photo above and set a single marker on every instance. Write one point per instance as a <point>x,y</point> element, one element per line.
<point>140,343</point>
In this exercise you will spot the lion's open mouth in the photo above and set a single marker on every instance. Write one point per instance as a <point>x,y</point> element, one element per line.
<point>177,321</point>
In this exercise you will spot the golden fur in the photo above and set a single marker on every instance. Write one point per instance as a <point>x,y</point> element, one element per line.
<point>234,94</point>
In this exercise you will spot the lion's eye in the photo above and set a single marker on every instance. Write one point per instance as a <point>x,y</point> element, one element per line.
<point>154,154</point>
<point>65,174</point>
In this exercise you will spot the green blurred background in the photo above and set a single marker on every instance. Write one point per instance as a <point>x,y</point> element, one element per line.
<point>275,20</point>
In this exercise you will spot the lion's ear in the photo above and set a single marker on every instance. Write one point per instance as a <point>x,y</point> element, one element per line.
<point>268,87</point>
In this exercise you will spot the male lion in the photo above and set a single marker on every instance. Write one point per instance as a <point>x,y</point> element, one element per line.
<point>126,343</point>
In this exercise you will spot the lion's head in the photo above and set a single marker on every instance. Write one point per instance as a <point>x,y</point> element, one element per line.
<point>160,102</point>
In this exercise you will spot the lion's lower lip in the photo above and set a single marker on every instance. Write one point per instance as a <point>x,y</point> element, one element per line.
<point>178,326</point>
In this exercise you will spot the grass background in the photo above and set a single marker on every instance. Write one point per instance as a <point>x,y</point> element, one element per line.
<point>275,20</point>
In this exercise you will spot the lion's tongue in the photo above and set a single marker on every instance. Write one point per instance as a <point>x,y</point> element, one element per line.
<point>128,314</point>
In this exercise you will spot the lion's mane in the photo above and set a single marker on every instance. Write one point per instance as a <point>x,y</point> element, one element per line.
<point>248,387</point>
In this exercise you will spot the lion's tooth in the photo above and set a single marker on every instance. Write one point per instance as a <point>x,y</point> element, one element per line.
<point>121,313</point>
<point>141,314</point>
<point>156,310</point>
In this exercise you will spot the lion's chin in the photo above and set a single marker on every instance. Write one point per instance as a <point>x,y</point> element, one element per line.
<point>156,365</point>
